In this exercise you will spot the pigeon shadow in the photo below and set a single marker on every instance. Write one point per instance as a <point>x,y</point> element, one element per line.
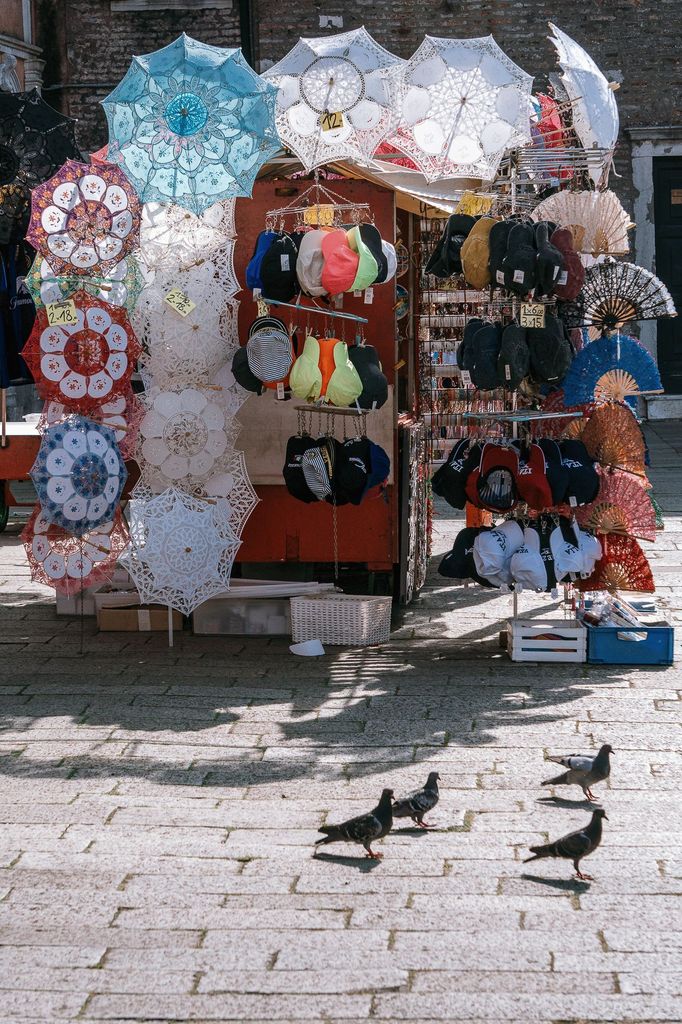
<point>565,884</point>
<point>413,831</point>
<point>560,801</point>
<point>363,864</point>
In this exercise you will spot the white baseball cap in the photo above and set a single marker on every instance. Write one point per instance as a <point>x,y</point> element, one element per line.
<point>493,550</point>
<point>310,263</point>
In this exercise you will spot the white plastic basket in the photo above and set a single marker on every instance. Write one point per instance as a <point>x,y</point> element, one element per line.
<point>343,619</point>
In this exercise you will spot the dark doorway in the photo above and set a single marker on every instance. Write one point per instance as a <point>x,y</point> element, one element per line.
<point>668,220</point>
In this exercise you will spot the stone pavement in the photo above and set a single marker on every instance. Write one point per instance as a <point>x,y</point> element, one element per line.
<point>159,807</point>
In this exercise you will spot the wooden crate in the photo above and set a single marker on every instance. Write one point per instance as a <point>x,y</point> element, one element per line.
<point>546,640</point>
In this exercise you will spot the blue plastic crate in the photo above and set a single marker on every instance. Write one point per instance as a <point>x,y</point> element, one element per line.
<point>606,645</point>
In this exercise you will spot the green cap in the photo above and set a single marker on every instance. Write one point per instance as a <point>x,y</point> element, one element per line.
<point>367,267</point>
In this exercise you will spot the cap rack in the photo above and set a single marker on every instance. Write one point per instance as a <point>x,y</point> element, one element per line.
<point>318,206</point>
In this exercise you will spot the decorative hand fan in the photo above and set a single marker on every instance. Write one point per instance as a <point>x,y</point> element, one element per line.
<point>569,428</point>
<point>658,511</point>
<point>623,566</point>
<point>69,564</point>
<point>597,220</point>
<point>609,370</point>
<point>622,506</point>
<point>612,437</point>
<point>616,293</point>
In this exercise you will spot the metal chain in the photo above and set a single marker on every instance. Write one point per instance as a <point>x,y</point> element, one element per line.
<point>335,536</point>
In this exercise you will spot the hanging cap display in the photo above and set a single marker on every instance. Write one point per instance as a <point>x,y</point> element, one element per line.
<point>253,267</point>
<point>340,263</point>
<point>278,270</point>
<point>367,265</point>
<point>374,384</point>
<point>310,263</point>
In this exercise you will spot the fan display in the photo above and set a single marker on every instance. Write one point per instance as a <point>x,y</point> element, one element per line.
<point>182,549</point>
<point>191,124</point>
<point>172,237</point>
<point>68,563</point>
<point>78,474</point>
<point>610,370</point>
<point>614,294</point>
<point>120,286</point>
<point>463,103</point>
<point>122,414</point>
<point>571,427</point>
<point>336,97</point>
<point>623,566</point>
<point>35,139</point>
<point>84,363</point>
<point>622,507</point>
<point>84,219</point>
<point>612,437</point>
<point>597,220</point>
<point>184,437</point>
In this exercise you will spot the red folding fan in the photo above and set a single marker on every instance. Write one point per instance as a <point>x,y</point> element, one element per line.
<point>623,566</point>
<point>622,506</point>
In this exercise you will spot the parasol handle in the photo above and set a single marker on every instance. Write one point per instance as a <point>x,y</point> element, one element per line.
<point>170,626</point>
<point>3,415</point>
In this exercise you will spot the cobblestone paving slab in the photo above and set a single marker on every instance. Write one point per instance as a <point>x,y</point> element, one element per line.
<point>158,810</point>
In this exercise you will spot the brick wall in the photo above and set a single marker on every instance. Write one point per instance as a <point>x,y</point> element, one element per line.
<point>89,48</point>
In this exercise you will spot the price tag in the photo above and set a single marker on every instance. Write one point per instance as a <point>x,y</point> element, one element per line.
<point>284,261</point>
<point>466,378</point>
<point>562,278</point>
<point>532,314</point>
<point>331,120</point>
<point>338,301</point>
<point>499,275</point>
<point>357,293</point>
<point>474,205</point>
<point>322,216</point>
<point>61,313</point>
<point>519,277</point>
<point>369,296</point>
<point>507,371</point>
<point>180,302</point>
<point>280,391</point>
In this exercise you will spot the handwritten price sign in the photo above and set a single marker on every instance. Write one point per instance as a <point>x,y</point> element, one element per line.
<point>60,314</point>
<point>532,314</point>
<point>180,302</point>
<point>331,120</point>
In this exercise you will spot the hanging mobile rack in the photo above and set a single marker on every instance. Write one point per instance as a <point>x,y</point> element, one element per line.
<point>314,309</point>
<point>318,206</point>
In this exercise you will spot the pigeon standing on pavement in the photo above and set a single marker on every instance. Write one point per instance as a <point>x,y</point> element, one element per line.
<point>583,770</point>
<point>575,845</point>
<point>416,805</point>
<point>365,829</point>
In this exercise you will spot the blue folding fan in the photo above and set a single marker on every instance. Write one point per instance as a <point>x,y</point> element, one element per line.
<point>610,370</point>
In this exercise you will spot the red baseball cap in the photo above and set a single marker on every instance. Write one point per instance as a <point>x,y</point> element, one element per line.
<point>340,263</point>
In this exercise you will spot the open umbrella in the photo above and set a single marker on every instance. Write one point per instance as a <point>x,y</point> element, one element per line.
<point>85,219</point>
<point>34,138</point>
<point>233,484</point>
<point>172,237</point>
<point>182,550</point>
<point>68,563</point>
<point>86,362</point>
<point>595,114</point>
<point>78,474</point>
<point>191,124</point>
<point>120,286</point>
<point>336,97</point>
<point>122,414</point>
<point>464,101</point>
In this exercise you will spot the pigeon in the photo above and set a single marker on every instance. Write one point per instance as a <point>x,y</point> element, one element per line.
<point>583,770</point>
<point>575,845</point>
<point>365,829</point>
<point>415,805</point>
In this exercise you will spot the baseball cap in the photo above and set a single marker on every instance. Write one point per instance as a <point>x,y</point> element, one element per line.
<point>292,471</point>
<point>310,263</point>
<point>391,261</point>
<point>278,269</point>
<point>253,267</point>
<point>583,479</point>
<point>365,359</point>
<point>270,354</point>
<point>493,551</point>
<point>372,239</point>
<point>485,351</point>
<point>367,265</point>
<point>242,373</point>
<point>557,474</point>
<point>465,350</point>
<point>531,481</point>
<point>459,563</point>
<point>550,350</point>
<point>565,544</point>
<point>519,263</point>
<point>352,470</point>
<point>476,253</point>
<point>449,480</point>
<point>493,484</point>
<point>340,263</point>
<point>318,467</point>
<point>514,359</point>
<point>532,566</point>
<point>445,260</point>
<point>379,467</point>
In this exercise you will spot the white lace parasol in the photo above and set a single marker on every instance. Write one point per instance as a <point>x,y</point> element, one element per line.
<point>174,238</point>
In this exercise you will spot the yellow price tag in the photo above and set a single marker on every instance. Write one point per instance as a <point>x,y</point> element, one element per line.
<point>320,215</point>
<point>180,302</point>
<point>473,205</point>
<point>61,313</point>
<point>532,314</point>
<point>331,120</point>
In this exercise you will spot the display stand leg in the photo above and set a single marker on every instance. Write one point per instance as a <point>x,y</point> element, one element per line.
<point>3,413</point>
<point>170,626</point>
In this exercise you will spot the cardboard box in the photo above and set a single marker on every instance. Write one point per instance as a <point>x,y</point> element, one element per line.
<point>137,619</point>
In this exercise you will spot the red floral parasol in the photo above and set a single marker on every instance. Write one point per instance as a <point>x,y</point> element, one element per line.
<point>86,363</point>
<point>85,218</point>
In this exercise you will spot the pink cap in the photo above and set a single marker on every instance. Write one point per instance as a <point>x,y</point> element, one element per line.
<point>340,263</point>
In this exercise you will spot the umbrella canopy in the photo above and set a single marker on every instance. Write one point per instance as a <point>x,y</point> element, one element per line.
<point>336,97</point>
<point>182,550</point>
<point>69,564</point>
<point>595,114</point>
<point>78,474</point>
<point>233,484</point>
<point>463,103</point>
<point>34,138</point>
<point>185,437</point>
<point>122,414</point>
<point>85,363</point>
<point>191,124</point>
<point>121,286</point>
<point>171,237</point>
<point>85,219</point>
